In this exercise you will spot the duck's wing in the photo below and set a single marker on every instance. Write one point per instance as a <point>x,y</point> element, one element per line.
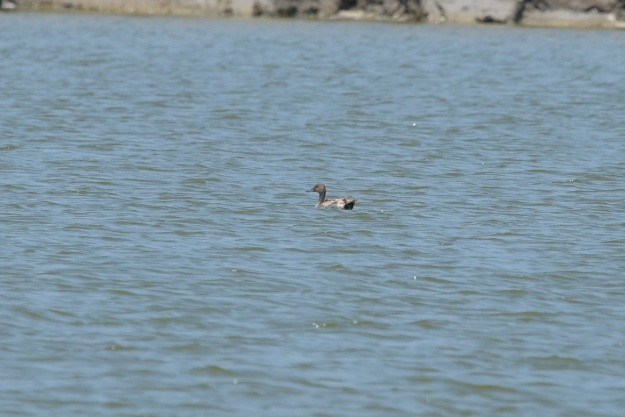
<point>339,203</point>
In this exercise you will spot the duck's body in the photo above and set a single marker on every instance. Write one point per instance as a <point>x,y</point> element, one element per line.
<point>332,203</point>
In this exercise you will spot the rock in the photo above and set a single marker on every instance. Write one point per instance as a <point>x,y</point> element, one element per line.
<point>597,6</point>
<point>295,8</point>
<point>469,11</point>
<point>489,19</point>
<point>570,13</point>
<point>397,10</point>
<point>6,5</point>
<point>567,18</point>
<point>353,15</point>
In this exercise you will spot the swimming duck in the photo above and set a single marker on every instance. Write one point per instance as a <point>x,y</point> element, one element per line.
<point>339,203</point>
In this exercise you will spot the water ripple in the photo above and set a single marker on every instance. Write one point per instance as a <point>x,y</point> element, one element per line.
<point>161,256</point>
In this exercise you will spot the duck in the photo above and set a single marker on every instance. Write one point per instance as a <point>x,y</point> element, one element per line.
<point>337,203</point>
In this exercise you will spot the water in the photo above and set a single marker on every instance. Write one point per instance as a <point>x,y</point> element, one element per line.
<point>159,256</point>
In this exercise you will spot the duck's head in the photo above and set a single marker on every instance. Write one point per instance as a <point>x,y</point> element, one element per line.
<point>319,188</point>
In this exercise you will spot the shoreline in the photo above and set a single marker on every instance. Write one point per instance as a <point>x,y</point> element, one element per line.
<point>518,13</point>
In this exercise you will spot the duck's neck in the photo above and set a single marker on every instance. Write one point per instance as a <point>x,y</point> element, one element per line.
<point>322,197</point>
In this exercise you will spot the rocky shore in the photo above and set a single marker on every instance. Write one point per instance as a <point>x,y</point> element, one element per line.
<point>546,13</point>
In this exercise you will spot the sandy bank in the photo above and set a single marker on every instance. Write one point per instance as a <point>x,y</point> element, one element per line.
<point>548,13</point>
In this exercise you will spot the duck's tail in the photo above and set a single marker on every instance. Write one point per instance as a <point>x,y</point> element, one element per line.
<point>350,204</point>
